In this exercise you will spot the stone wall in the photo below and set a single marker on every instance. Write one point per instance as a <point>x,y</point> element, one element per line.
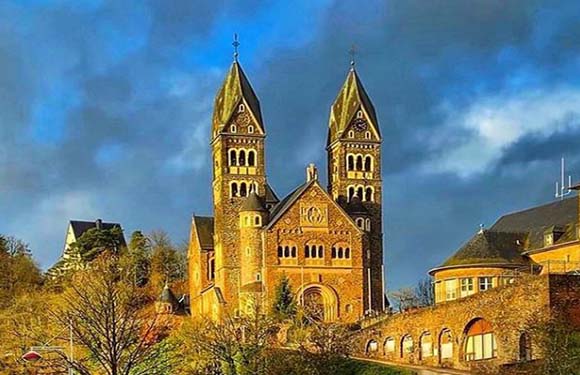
<point>510,309</point>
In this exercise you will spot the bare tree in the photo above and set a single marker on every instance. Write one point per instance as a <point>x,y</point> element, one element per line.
<point>425,293</point>
<point>107,318</point>
<point>404,299</point>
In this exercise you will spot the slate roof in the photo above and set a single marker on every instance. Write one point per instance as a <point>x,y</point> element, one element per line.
<point>285,203</point>
<point>559,215</point>
<point>352,95</point>
<point>204,228</point>
<point>271,197</point>
<point>235,87</point>
<point>252,203</point>
<point>490,248</point>
<point>79,227</point>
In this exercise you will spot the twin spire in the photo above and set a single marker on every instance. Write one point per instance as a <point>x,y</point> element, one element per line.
<point>351,102</point>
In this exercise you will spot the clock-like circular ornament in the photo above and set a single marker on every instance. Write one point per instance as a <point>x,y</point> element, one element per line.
<point>360,124</point>
<point>243,119</point>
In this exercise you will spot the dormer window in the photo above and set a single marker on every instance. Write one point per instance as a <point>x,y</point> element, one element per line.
<point>548,239</point>
<point>553,234</point>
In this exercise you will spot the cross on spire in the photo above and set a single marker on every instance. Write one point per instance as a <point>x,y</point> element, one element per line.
<point>236,44</point>
<point>352,53</point>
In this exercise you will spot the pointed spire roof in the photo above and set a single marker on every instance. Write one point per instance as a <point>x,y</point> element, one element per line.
<point>351,97</point>
<point>234,88</point>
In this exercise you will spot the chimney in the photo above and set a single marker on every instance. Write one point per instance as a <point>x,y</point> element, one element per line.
<point>99,224</point>
<point>311,172</point>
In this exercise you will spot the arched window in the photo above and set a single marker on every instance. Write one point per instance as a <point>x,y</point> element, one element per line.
<point>293,252</point>
<point>359,114</point>
<point>251,158</point>
<point>368,225</point>
<point>369,194</point>
<point>367,135</point>
<point>368,163</point>
<point>389,345</point>
<point>406,345</point>
<point>480,341</point>
<point>233,158</point>
<point>446,344</point>
<point>426,345</point>
<point>340,253</point>
<point>243,189</point>
<point>280,251</point>
<point>347,253</point>
<point>233,129</point>
<point>350,193</point>
<point>351,134</point>
<point>359,193</point>
<point>234,189</point>
<point>251,129</point>
<point>286,251</point>
<point>359,163</point>
<point>241,108</point>
<point>320,251</point>
<point>350,162</point>
<point>247,221</point>
<point>306,251</point>
<point>242,158</point>
<point>360,222</point>
<point>525,347</point>
<point>333,252</point>
<point>258,221</point>
<point>372,347</point>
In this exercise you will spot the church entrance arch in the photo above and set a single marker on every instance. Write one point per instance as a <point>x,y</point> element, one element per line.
<point>320,301</point>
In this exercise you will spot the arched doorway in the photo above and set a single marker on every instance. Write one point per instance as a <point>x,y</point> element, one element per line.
<point>372,347</point>
<point>445,345</point>
<point>406,346</point>
<point>426,346</point>
<point>525,347</point>
<point>480,342</point>
<point>320,301</point>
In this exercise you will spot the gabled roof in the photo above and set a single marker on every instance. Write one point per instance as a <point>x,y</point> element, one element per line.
<point>352,95</point>
<point>235,87</point>
<point>271,197</point>
<point>561,215</point>
<point>287,202</point>
<point>79,227</point>
<point>489,248</point>
<point>204,227</point>
<point>252,203</point>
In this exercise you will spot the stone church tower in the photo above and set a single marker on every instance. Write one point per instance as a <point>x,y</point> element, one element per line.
<point>327,242</point>
<point>354,174</point>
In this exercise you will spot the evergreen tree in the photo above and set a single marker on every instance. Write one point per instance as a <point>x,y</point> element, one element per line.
<point>284,304</point>
<point>140,253</point>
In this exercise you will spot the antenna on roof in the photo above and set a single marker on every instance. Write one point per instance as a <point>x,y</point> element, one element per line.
<point>562,190</point>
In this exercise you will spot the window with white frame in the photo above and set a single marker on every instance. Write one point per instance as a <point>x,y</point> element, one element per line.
<point>485,283</point>
<point>480,343</point>
<point>466,286</point>
<point>450,289</point>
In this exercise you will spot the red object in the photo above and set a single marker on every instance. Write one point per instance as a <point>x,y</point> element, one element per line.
<point>31,356</point>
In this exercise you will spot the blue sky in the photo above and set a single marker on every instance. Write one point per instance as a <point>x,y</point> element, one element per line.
<point>105,109</point>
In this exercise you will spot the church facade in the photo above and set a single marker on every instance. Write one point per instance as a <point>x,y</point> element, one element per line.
<point>326,240</point>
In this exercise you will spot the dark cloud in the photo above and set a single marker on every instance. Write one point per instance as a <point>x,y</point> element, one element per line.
<point>134,145</point>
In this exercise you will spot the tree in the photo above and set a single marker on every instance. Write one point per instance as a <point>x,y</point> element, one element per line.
<point>140,253</point>
<point>97,240</point>
<point>425,293</point>
<point>109,320</point>
<point>167,263</point>
<point>284,304</point>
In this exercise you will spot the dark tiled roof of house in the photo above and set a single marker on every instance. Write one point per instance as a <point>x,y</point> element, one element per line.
<point>204,227</point>
<point>490,248</point>
<point>559,216</point>
<point>80,227</point>
<point>271,197</point>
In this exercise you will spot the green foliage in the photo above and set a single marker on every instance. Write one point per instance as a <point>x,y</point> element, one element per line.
<point>284,304</point>
<point>352,367</point>
<point>95,241</point>
<point>140,253</point>
<point>168,264</point>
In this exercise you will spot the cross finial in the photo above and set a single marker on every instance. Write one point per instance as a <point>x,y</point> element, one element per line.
<point>352,53</point>
<point>236,44</point>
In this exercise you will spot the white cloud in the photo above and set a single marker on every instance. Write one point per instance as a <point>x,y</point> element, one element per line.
<point>496,122</point>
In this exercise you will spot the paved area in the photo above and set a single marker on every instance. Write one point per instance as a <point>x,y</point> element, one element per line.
<point>421,370</point>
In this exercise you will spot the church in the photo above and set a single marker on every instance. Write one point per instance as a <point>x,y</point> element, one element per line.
<point>326,240</point>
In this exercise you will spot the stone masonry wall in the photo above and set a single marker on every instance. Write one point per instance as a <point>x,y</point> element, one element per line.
<point>510,309</point>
